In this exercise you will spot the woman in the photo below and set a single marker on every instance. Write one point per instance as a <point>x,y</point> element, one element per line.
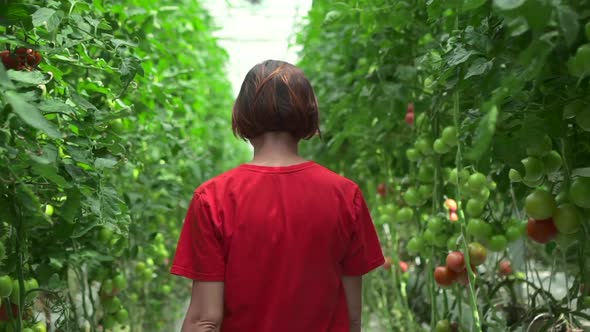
<point>279,244</point>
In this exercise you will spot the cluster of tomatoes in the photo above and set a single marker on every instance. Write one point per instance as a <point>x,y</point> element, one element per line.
<point>114,310</point>
<point>10,298</point>
<point>21,58</point>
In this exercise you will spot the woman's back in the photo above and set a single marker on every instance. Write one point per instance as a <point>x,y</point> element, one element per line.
<point>280,238</point>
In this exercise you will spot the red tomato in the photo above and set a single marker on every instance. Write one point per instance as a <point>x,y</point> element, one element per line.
<point>10,62</point>
<point>4,54</point>
<point>387,264</point>
<point>451,204</point>
<point>4,313</point>
<point>403,266</point>
<point>453,216</point>
<point>456,261</point>
<point>410,118</point>
<point>444,276</point>
<point>463,278</point>
<point>541,231</point>
<point>505,267</point>
<point>381,189</point>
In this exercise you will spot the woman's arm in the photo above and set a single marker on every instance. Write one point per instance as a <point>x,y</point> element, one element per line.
<point>353,289</point>
<point>205,312</point>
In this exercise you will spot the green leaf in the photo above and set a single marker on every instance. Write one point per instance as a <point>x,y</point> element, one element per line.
<point>102,163</point>
<point>508,4</point>
<point>458,56</point>
<point>4,78</point>
<point>72,205</point>
<point>484,133</point>
<point>47,17</point>
<point>30,114</point>
<point>27,77</point>
<point>473,4</point>
<point>50,173</point>
<point>27,198</point>
<point>331,17</point>
<point>479,67</point>
<point>583,172</point>
<point>568,22</point>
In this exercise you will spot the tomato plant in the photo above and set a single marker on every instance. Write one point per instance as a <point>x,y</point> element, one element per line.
<point>111,113</point>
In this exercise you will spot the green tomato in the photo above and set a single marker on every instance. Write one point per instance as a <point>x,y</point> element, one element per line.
<point>498,243</point>
<point>5,287</point>
<point>513,233</point>
<point>122,316</point>
<point>166,289</point>
<point>415,245</point>
<point>479,229</point>
<point>443,326</point>
<point>426,173</point>
<point>425,191</point>
<point>120,282</point>
<point>108,322</point>
<point>540,147</point>
<point>474,207</point>
<point>436,225</point>
<point>112,305</point>
<point>449,136</point>
<point>476,182</point>
<point>428,236</point>
<point>452,242</point>
<point>439,146</point>
<point>539,205</point>
<point>405,214</point>
<point>423,145</point>
<point>552,162</point>
<point>482,195</point>
<point>514,175</point>
<point>567,219</point>
<point>533,169</point>
<point>39,327</point>
<point>412,197</point>
<point>28,329</point>
<point>108,286</point>
<point>105,234</point>
<point>49,210</point>
<point>579,192</point>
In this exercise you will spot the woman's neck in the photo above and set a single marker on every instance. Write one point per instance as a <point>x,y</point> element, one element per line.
<point>276,149</point>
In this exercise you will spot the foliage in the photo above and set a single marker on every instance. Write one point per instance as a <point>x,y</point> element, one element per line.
<point>490,84</point>
<point>101,146</point>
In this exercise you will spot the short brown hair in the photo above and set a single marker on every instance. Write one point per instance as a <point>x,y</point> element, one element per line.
<point>275,96</point>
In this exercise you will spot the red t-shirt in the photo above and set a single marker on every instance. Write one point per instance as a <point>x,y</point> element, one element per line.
<point>280,238</point>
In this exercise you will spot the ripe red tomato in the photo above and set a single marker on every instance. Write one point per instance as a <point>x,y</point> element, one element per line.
<point>477,253</point>
<point>10,62</point>
<point>541,231</point>
<point>444,276</point>
<point>456,261</point>
<point>409,118</point>
<point>505,267</point>
<point>381,189</point>
<point>403,266</point>
<point>4,54</point>
<point>463,278</point>
<point>4,313</point>
<point>540,204</point>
